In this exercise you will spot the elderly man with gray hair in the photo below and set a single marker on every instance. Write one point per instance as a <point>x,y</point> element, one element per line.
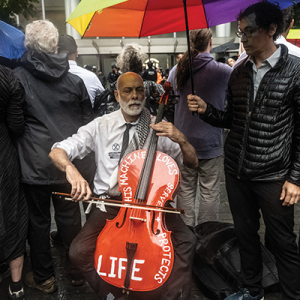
<point>56,105</point>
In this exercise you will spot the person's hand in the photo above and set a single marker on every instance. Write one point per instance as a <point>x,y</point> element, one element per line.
<point>169,130</point>
<point>80,188</point>
<point>195,103</point>
<point>290,194</point>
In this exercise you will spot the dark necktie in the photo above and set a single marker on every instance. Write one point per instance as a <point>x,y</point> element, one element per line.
<point>125,140</point>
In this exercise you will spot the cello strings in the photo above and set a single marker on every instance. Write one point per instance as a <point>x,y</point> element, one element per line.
<point>146,172</point>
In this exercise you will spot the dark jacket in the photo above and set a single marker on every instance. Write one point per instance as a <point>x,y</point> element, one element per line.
<point>112,77</point>
<point>264,139</point>
<point>150,74</point>
<point>56,105</point>
<point>102,79</point>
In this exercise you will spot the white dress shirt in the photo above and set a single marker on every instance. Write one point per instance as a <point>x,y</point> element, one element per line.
<point>90,79</point>
<point>104,136</point>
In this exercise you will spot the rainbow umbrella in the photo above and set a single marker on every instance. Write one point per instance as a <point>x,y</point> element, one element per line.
<point>294,34</point>
<point>139,18</point>
<point>294,37</point>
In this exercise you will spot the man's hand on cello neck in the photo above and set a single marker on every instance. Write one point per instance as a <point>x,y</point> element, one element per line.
<point>188,152</point>
<point>80,188</point>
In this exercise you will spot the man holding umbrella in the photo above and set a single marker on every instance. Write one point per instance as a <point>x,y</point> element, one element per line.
<point>262,152</point>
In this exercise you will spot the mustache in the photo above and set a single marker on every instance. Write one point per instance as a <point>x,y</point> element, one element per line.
<point>131,102</point>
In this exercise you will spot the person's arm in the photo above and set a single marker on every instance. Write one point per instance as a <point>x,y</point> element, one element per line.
<point>291,189</point>
<point>98,85</point>
<point>195,103</point>
<point>80,187</point>
<point>14,110</point>
<point>87,112</point>
<point>290,194</point>
<point>167,129</point>
<point>79,145</point>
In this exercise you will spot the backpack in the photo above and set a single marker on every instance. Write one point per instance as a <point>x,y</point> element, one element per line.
<point>105,103</point>
<point>217,266</point>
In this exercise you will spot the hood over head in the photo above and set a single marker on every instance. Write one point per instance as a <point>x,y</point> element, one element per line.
<point>46,66</point>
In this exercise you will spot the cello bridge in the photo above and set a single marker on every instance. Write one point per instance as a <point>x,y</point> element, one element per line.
<point>138,219</point>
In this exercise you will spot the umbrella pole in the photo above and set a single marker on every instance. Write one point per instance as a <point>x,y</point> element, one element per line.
<point>189,50</point>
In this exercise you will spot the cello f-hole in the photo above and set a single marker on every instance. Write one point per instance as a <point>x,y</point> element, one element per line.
<point>152,224</point>
<point>124,218</point>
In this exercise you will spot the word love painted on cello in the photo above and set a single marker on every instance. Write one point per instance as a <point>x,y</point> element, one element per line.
<point>137,156</point>
<point>118,266</point>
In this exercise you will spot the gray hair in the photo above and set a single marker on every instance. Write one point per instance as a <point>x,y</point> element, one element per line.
<point>131,59</point>
<point>41,35</point>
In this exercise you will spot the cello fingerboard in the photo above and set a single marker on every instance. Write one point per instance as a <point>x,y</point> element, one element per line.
<point>143,184</point>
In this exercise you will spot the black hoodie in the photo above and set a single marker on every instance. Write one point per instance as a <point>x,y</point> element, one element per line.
<point>56,105</point>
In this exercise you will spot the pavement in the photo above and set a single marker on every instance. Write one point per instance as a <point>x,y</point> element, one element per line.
<point>67,292</point>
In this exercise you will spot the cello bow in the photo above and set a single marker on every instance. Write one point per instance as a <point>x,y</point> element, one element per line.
<point>111,202</point>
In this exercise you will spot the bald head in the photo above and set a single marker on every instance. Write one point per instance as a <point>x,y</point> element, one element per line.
<point>131,95</point>
<point>128,78</point>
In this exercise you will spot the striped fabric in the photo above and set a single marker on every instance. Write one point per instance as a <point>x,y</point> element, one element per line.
<point>13,208</point>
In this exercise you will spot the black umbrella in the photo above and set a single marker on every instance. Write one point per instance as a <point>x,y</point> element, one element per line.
<point>225,47</point>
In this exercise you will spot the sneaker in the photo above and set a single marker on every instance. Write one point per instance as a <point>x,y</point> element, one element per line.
<point>16,295</point>
<point>56,238</point>
<point>47,287</point>
<point>245,295</point>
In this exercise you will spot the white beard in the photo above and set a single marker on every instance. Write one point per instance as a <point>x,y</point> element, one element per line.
<point>132,111</point>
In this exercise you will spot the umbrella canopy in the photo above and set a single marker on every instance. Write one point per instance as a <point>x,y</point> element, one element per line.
<point>139,18</point>
<point>294,34</point>
<point>11,41</point>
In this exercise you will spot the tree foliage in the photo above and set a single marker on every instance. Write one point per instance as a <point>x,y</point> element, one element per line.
<point>19,7</point>
<point>297,16</point>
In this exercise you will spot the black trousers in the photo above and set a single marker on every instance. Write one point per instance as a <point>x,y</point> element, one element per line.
<point>177,286</point>
<point>245,199</point>
<point>68,220</point>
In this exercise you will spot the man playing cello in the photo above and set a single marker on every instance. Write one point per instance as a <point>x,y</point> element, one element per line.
<point>104,136</point>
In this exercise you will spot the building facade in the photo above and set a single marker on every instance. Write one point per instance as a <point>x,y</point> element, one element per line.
<point>102,52</point>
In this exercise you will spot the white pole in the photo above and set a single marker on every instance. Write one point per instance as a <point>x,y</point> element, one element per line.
<point>223,30</point>
<point>70,5</point>
<point>17,19</point>
<point>43,9</point>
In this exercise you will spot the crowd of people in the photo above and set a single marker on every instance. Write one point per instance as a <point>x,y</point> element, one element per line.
<point>51,141</point>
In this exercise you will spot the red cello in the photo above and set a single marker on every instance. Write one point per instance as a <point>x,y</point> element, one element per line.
<point>134,250</point>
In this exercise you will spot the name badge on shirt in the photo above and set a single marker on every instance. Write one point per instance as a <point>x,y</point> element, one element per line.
<point>116,152</point>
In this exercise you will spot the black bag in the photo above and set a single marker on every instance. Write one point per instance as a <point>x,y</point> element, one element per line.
<point>217,266</point>
<point>105,103</point>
